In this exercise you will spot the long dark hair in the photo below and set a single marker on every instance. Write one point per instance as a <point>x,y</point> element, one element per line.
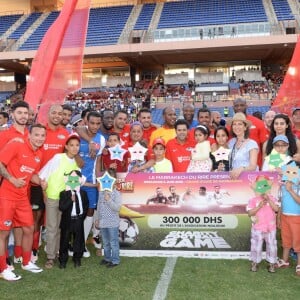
<point>288,133</point>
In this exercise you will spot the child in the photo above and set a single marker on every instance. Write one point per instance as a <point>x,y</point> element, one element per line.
<point>105,161</point>
<point>108,221</point>
<point>220,150</point>
<point>200,160</point>
<point>162,165</point>
<point>74,205</point>
<point>53,172</point>
<point>289,216</point>
<point>262,210</point>
<point>278,156</point>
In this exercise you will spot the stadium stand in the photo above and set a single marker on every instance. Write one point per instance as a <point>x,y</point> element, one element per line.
<point>34,40</point>
<point>106,25</point>
<point>7,21</point>
<point>24,26</point>
<point>145,16</point>
<point>282,10</point>
<point>215,12</point>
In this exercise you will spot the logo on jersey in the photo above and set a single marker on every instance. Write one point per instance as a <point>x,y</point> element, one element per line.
<point>7,223</point>
<point>61,137</point>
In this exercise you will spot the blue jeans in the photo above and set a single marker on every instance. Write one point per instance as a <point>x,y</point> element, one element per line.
<point>110,240</point>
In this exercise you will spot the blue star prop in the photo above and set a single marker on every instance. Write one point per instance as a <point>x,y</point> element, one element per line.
<point>106,182</point>
<point>137,152</point>
<point>117,152</point>
<point>291,172</point>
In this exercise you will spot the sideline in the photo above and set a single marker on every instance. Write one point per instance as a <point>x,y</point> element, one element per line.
<point>165,278</point>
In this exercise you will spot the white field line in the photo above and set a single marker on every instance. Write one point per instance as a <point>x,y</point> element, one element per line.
<point>165,278</point>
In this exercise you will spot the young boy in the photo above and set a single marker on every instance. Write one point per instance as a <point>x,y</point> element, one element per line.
<point>108,221</point>
<point>289,216</point>
<point>74,205</point>
<point>278,156</point>
<point>53,172</point>
<point>105,161</point>
<point>162,165</point>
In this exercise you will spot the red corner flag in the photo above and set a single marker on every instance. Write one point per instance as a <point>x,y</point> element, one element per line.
<point>288,96</point>
<point>57,66</point>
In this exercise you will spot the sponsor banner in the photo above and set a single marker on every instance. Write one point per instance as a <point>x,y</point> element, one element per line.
<point>187,214</point>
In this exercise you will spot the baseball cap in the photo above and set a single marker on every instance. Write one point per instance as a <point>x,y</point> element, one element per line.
<point>280,137</point>
<point>77,118</point>
<point>72,136</point>
<point>295,109</point>
<point>158,141</point>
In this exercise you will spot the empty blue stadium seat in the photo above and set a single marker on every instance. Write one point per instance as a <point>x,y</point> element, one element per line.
<point>282,10</point>
<point>7,21</point>
<point>214,12</point>
<point>24,26</point>
<point>145,17</point>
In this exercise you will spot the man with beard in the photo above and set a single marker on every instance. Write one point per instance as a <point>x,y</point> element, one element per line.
<point>18,131</point>
<point>178,149</point>
<point>167,131</point>
<point>159,198</point>
<point>121,127</point>
<point>188,112</point>
<point>66,117</point>
<point>55,142</point>
<point>19,161</point>
<point>107,124</point>
<point>88,170</point>
<point>144,117</point>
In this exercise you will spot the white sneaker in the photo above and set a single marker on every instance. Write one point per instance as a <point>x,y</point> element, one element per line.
<point>18,260</point>
<point>9,275</point>
<point>86,253</point>
<point>31,267</point>
<point>97,242</point>
<point>11,267</point>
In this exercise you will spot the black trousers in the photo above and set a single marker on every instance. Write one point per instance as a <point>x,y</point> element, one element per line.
<point>73,232</point>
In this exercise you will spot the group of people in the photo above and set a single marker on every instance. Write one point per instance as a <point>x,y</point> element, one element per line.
<point>107,142</point>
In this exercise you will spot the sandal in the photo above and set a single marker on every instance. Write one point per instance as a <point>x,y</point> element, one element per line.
<point>298,270</point>
<point>49,264</point>
<point>283,264</point>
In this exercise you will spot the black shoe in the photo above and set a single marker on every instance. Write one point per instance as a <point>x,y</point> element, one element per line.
<point>104,262</point>
<point>62,265</point>
<point>77,264</point>
<point>111,265</point>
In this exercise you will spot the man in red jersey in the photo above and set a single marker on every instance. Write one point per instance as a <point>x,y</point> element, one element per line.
<point>18,163</point>
<point>121,126</point>
<point>19,114</point>
<point>144,117</point>
<point>178,150</point>
<point>258,130</point>
<point>54,143</point>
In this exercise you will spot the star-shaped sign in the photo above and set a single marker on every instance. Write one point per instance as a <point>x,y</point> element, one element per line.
<point>106,182</point>
<point>262,185</point>
<point>73,180</point>
<point>137,152</point>
<point>117,152</point>
<point>291,172</point>
<point>221,154</point>
<point>274,160</point>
